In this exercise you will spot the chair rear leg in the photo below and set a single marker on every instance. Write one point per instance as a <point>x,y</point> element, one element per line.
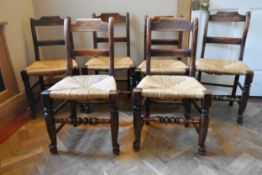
<point>147,111</point>
<point>114,118</point>
<point>138,77</point>
<point>41,83</point>
<point>204,121</point>
<point>29,94</point>
<point>73,113</point>
<point>50,121</point>
<point>187,110</point>
<point>234,90</point>
<point>137,99</point>
<point>245,95</point>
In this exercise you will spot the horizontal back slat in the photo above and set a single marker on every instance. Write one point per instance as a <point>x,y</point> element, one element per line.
<point>50,42</point>
<point>89,25</point>
<point>171,24</point>
<point>171,52</point>
<point>117,17</point>
<point>164,42</point>
<point>227,17</point>
<point>223,40</point>
<point>91,52</point>
<point>116,39</point>
<point>47,21</point>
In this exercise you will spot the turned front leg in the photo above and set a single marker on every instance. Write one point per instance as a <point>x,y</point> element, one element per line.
<point>50,121</point>
<point>137,99</point>
<point>245,94</point>
<point>114,120</point>
<point>203,125</point>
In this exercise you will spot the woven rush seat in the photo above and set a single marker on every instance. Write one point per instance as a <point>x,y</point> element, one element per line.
<point>222,66</point>
<point>102,63</point>
<point>83,87</point>
<point>166,87</point>
<point>48,67</point>
<point>164,66</point>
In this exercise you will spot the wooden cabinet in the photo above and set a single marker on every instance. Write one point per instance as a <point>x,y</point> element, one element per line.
<point>8,86</point>
<point>12,102</point>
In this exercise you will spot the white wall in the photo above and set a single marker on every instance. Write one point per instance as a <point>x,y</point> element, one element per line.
<point>136,8</point>
<point>18,34</point>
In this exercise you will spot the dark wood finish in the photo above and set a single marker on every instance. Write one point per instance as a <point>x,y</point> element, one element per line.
<point>29,94</point>
<point>121,20</point>
<point>86,25</point>
<point>45,21</point>
<point>42,22</point>
<point>137,100</point>
<point>204,121</point>
<point>245,95</point>
<point>171,25</point>
<point>114,120</point>
<point>50,121</point>
<point>229,17</point>
<point>89,25</point>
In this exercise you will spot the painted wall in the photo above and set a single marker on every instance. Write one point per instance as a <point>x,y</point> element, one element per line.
<point>136,8</point>
<point>18,34</point>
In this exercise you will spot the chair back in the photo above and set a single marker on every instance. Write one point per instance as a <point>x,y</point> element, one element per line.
<point>178,25</point>
<point>175,42</point>
<point>118,19</point>
<point>88,25</point>
<point>223,17</point>
<point>45,21</point>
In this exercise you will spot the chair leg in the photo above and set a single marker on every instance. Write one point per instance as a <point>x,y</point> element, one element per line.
<point>187,110</point>
<point>138,77</point>
<point>114,121</point>
<point>29,94</point>
<point>147,111</point>
<point>73,113</point>
<point>50,121</point>
<point>199,75</point>
<point>245,95</point>
<point>204,121</point>
<point>130,79</point>
<point>41,83</point>
<point>137,99</point>
<point>234,90</point>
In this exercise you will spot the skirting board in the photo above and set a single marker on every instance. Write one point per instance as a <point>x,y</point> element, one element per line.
<point>12,108</point>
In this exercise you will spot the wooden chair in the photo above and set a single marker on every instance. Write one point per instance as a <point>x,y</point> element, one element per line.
<point>228,67</point>
<point>121,63</point>
<point>42,67</point>
<point>98,88</point>
<point>160,66</point>
<point>171,88</point>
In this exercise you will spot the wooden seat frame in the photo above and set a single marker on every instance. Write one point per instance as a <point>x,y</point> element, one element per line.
<point>225,17</point>
<point>45,21</point>
<point>140,102</point>
<point>88,25</point>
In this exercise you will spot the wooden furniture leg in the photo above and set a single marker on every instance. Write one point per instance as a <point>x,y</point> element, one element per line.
<point>137,99</point>
<point>114,121</point>
<point>245,94</point>
<point>50,121</point>
<point>29,94</point>
<point>204,121</point>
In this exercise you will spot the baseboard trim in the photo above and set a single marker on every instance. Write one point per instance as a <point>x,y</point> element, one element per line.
<point>12,108</point>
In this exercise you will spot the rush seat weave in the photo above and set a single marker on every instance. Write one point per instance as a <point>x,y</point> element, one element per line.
<point>168,87</point>
<point>48,67</point>
<point>164,66</point>
<point>102,63</point>
<point>82,87</point>
<point>229,67</point>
